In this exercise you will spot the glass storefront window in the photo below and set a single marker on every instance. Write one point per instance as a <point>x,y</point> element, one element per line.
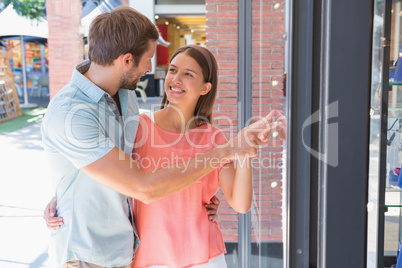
<point>254,239</point>
<point>268,48</point>
<point>372,206</point>
<point>384,196</point>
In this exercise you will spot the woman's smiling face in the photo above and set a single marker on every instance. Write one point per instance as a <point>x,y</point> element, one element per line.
<point>184,82</point>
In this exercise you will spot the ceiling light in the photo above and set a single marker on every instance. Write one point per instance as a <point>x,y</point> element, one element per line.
<point>156,17</point>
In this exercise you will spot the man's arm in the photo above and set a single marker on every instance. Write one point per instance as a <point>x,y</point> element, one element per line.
<point>123,175</point>
<point>53,222</point>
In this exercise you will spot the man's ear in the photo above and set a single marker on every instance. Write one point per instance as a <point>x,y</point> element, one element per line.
<point>127,59</point>
<point>206,88</point>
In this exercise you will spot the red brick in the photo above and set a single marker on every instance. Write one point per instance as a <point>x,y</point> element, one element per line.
<point>232,8</point>
<point>217,43</point>
<point>277,65</point>
<point>227,87</point>
<point>226,101</point>
<point>226,73</point>
<point>64,17</point>
<point>264,26</point>
<point>225,108</point>
<point>228,79</point>
<point>265,92</point>
<point>267,2</point>
<point>261,79</point>
<point>227,22</point>
<point>230,231</point>
<point>224,94</point>
<point>278,51</point>
<point>277,22</point>
<point>226,50</point>
<point>212,36</point>
<point>271,224</point>
<point>270,15</point>
<point>223,15</point>
<point>277,107</point>
<point>228,37</point>
<point>223,2</point>
<point>225,115</point>
<point>255,107</point>
<point>275,231</point>
<point>272,72</point>
<point>227,224</point>
<point>223,29</point>
<point>232,218</point>
<point>262,6</point>
<point>211,22</point>
<point>277,93</point>
<point>210,7</point>
<point>257,64</point>
<point>227,65</point>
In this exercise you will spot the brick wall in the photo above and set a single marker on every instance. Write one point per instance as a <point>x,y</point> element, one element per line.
<point>222,41</point>
<point>65,44</point>
<point>267,94</point>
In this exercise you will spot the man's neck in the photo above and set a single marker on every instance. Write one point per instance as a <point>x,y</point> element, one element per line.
<point>104,77</point>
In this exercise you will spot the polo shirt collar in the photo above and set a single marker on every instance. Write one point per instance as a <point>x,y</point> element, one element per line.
<point>84,84</point>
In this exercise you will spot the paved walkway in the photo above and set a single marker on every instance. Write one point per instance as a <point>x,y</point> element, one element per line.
<point>25,189</point>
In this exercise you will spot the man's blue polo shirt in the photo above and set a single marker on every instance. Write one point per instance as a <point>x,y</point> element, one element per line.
<point>78,129</point>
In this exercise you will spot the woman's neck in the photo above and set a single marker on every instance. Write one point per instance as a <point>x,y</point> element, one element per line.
<point>175,119</point>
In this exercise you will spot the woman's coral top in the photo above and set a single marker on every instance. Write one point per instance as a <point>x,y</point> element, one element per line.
<point>176,231</point>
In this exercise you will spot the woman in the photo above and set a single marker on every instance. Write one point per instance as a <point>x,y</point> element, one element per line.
<point>173,134</point>
<point>176,231</point>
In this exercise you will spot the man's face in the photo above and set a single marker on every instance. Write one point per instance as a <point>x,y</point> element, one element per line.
<point>130,78</point>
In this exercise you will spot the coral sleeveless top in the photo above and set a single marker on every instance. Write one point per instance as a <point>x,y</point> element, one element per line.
<point>176,231</point>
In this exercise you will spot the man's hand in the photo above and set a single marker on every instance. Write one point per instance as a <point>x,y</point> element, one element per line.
<point>212,208</point>
<point>52,222</point>
<point>272,125</point>
<point>249,139</point>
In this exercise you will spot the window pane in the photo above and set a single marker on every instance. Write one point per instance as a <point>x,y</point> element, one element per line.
<point>269,168</point>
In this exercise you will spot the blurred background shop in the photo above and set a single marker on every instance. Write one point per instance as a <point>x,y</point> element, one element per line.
<point>179,22</point>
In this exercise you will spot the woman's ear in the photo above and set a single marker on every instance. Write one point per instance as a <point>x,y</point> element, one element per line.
<point>206,88</point>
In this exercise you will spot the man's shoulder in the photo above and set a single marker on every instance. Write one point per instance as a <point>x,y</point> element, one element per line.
<point>70,99</point>
<point>69,104</point>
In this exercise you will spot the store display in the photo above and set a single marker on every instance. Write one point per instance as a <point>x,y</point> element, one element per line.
<point>9,103</point>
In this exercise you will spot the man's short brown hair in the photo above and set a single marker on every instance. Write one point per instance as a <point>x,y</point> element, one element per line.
<point>120,31</point>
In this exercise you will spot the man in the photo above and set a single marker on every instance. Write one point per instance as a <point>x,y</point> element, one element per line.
<point>88,132</point>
